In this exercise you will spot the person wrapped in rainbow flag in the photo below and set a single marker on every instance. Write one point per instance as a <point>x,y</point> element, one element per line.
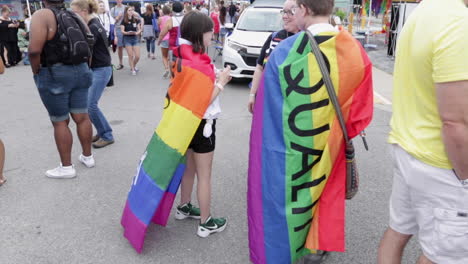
<point>296,177</point>
<point>186,125</point>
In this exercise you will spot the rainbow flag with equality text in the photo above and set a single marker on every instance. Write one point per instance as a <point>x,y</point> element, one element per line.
<point>296,178</point>
<point>162,166</point>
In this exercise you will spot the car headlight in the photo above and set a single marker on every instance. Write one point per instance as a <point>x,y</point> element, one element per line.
<point>236,47</point>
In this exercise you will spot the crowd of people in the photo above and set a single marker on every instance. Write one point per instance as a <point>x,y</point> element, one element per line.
<point>429,127</point>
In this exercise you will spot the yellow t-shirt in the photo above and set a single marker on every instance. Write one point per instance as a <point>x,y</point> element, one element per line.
<point>432,48</point>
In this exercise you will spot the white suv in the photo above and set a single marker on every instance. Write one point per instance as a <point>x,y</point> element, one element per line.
<point>242,48</point>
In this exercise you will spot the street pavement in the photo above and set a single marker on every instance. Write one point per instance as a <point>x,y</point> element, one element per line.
<point>78,220</point>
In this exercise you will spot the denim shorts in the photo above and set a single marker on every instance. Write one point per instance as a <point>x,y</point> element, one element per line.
<point>165,44</point>
<point>129,41</point>
<point>64,89</point>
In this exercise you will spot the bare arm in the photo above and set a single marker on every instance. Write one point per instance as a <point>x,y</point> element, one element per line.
<point>2,67</point>
<point>165,30</point>
<point>140,27</point>
<point>38,38</point>
<point>452,100</point>
<point>223,79</point>
<point>122,28</point>
<point>255,83</point>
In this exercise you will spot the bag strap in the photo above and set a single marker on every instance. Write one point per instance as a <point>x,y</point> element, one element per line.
<point>328,83</point>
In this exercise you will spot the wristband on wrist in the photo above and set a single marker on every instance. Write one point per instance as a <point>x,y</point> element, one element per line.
<point>220,87</point>
<point>252,95</point>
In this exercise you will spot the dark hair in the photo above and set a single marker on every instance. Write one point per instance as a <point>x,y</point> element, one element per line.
<point>193,26</point>
<point>222,14</point>
<point>177,7</point>
<point>56,2</point>
<point>318,7</point>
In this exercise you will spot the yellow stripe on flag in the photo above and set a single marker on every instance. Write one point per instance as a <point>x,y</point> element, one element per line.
<point>177,127</point>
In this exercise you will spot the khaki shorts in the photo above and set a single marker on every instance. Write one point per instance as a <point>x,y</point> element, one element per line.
<point>433,203</point>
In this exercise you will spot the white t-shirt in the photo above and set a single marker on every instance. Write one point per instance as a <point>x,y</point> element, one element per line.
<point>106,20</point>
<point>322,27</point>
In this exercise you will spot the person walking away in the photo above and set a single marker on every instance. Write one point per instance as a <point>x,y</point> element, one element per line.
<point>23,43</point>
<point>164,44</point>
<point>63,79</point>
<point>297,168</point>
<point>2,146</point>
<point>117,12</point>
<point>215,18</point>
<point>101,67</point>
<point>289,28</point>
<point>429,136</point>
<point>149,34</point>
<point>172,26</point>
<point>222,21</point>
<point>131,30</point>
<point>9,38</point>
<point>232,10</point>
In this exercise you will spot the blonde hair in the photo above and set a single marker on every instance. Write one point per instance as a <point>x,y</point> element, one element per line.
<point>90,5</point>
<point>5,8</point>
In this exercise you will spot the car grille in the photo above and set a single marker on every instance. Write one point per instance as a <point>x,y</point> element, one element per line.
<point>250,60</point>
<point>247,72</point>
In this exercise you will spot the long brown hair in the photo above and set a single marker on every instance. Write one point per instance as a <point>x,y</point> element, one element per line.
<point>149,10</point>
<point>126,20</point>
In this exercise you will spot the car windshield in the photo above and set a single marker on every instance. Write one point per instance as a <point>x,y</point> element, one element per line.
<point>261,19</point>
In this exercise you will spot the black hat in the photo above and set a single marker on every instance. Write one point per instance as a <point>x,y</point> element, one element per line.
<point>177,7</point>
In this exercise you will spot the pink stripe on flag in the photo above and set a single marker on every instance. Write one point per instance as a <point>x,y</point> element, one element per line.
<point>162,213</point>
<point>134,229</point>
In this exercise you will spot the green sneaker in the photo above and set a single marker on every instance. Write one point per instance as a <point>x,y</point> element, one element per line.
<point>212,225</point>
<point>187,211</point>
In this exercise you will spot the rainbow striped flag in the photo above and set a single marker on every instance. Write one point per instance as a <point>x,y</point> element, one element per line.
<point>162,166</point>
<point>296,177</point>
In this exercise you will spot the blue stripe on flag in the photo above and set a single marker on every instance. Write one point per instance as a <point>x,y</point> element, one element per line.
<point>277,248</point>
<point>144,197</point>
<point>175,182</point>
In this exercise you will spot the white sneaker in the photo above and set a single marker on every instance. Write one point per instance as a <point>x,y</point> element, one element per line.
<point>134,73</point>
<point>87,161</point>
<point>62,172</point>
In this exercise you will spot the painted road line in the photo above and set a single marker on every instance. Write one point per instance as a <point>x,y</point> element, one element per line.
<point>379,99</point>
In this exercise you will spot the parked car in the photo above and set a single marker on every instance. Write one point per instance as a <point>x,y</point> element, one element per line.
<point>242,48</point>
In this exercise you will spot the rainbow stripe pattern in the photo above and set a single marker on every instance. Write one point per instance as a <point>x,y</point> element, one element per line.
<point>162,166</point>
<point>378,6</point>
<point>296,177</point>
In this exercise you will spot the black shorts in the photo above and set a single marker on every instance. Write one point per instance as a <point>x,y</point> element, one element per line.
<point>201,144</point>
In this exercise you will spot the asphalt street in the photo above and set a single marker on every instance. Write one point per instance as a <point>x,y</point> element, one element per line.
<point>78,221</point>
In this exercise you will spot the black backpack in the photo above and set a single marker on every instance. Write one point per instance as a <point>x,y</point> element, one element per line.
<point>74,42</point>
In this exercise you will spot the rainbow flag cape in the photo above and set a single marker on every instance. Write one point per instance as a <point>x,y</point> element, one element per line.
<point>162,166</point>
<point>296,177</point>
